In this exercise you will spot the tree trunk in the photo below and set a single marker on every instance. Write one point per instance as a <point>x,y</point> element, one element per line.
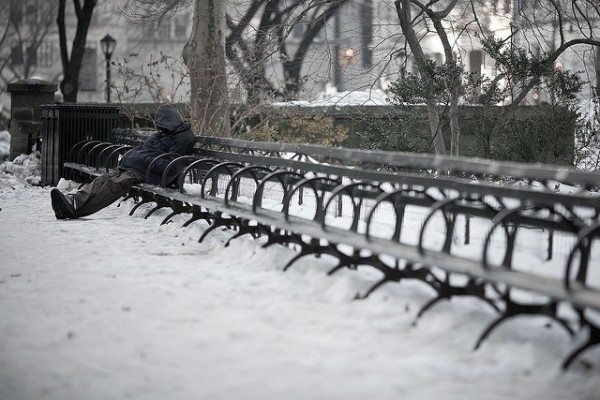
<point>454,91</point>
<point>292,70</point>
<point>72,65</point>
<point>204,56</point>
<point>454,126</point>
<point>403,11</point>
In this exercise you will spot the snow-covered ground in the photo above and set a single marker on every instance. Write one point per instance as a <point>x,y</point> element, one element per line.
<point>116,307</point>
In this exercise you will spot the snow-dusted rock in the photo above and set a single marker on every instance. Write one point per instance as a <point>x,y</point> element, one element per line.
<point>25,167</point>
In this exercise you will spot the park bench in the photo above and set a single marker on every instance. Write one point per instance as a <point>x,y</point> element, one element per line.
<point>460,226</point>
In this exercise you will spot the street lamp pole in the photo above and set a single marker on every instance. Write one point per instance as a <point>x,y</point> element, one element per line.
<point>108,80</point>
<point>337,68</point>
<point>108,44</point>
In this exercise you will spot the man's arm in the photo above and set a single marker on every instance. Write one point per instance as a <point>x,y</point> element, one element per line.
<point>148,140</point>
<point>184,144</point>
<point>151,138</point>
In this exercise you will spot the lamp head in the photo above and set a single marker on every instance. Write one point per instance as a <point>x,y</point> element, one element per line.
<point>108,44</point>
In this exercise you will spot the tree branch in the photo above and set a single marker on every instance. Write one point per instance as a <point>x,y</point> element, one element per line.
<point>62,35</point>
<point>444,13</point>
<point>77,6</point>
<point>560,21</point>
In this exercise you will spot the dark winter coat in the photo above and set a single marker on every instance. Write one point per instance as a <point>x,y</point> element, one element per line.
<point>177,138</point>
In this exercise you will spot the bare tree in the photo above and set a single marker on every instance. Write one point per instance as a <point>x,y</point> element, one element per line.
<point>407,23</point>
<point>25,26</point>
<point>540,24</point>
<point>292,64</point>
<point>204,57</point>
<point>247,55</point>
<point>71,64</point>
<point>568,24</point>
<point>249,48</point>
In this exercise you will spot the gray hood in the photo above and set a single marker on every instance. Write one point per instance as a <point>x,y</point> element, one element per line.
<point>168,117</point>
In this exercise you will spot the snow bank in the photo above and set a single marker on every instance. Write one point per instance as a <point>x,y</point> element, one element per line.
<point>66,185</point>
<point>23,169</point>
<point>112,307</point>
<point>375,97</point>
<point>4,145</point>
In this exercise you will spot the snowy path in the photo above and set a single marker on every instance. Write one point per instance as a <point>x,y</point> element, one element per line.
<point>116,307</point>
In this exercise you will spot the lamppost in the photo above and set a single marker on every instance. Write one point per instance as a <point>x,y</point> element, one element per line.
<point>108,43</point>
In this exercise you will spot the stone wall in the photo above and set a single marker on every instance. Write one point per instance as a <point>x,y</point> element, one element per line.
<point>25,112</point>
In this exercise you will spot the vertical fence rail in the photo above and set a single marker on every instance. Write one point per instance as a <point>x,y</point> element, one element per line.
<point>63,125</point>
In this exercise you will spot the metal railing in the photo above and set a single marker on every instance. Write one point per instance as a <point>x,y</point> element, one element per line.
<point>63,125</point>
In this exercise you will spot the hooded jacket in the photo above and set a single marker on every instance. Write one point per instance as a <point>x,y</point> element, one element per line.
<point>177,137</point>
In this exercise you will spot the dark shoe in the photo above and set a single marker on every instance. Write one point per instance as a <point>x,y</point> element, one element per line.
<point>62,205</point>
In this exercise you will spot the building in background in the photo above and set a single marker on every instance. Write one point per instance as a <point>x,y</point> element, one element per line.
<point>360,48</point>
<point>138,43</point>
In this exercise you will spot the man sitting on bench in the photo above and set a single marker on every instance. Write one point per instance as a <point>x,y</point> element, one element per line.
<point>175,136</point>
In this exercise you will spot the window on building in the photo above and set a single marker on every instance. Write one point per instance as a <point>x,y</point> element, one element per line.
<point>31,14</point>
<point>16,55</point>
<point>366,22</point>
<point>147,31</point>
<point>46,55</point>
<point>181,26</point>
<point>32,57</point>
<point>475,63</point>
<point>16,12</point>
<point>163,30</point>
<point>300,29</point>
<point>320,37</point>
<point>88,74</point>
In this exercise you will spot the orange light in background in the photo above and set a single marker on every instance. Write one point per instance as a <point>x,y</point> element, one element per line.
<point>348,57</point>
<point>558,66</point>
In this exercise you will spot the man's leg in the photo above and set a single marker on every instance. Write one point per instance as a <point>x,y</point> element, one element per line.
<point>103,191</point>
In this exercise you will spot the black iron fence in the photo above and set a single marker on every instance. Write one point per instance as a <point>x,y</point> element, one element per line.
<point>63,125</point>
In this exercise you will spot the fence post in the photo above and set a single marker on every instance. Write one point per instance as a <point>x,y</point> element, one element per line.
<point>550,245</point>
<point>63,125</point>
<point>467,229</point>
<point>26,97</point>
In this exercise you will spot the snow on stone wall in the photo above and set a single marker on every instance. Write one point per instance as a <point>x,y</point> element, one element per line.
<point>375,97</point>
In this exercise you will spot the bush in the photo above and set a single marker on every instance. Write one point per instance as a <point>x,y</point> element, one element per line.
<point>388,134</point>
<point>293,127</point>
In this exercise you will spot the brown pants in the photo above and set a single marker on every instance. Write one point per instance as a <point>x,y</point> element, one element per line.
<point>103,191</point>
